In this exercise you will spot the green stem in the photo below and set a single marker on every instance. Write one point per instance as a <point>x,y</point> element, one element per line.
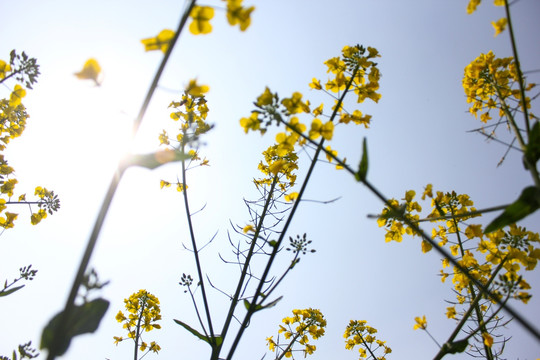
<point>197,311</point>
<point>138,333</point>
<point>298,334</point>
<point>432,338</point>
<point>518,67</point>
<point>245,267</point>
<point>467,214</point>
<point>443,252</point>
<point>479,317</point>
<point>258,292</point>
<point>161,68</point>
<point>531,167</point>
<point>61,329</point>
<point>520,319</point>
<point>275,285</point>
<point>367,346</point>
<point>196,255</point>
<point>21,70</point>
<point>470,310</point>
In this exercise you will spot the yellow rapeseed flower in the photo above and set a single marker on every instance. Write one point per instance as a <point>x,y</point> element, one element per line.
<point>473,4</point>
<point>251,123</point>
<point>90,71</point>
<point>159,42</point>
<point>499,25</point>
<point>488,339</point>
<point>237,14</point>
<point>4,68</point>
<point>196,90</point>
<point>319,129</point>
<point>201,16</point>
<point>16,95</point>
<point>421,323</point>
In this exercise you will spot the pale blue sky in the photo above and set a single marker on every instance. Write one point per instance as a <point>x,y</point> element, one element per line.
<point>418,136</point>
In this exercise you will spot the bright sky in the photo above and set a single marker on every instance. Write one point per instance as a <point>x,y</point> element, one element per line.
<point>418,135</point>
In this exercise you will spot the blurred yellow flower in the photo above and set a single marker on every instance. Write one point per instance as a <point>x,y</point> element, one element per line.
<point>160,42</point>
<point>90,71</point>
<point>237,14</point>
<point>196,90</point>
<point>488,339</point>
<point>16,95</point>
<point>4,68</point>
<point>499,25</point>
<point>421,323</point>
<point>201,16</point>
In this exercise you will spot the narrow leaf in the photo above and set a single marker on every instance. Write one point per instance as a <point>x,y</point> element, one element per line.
<point>532,152</point>
<point>83,319</point>
<point>154,160</point>
<point>527,203</point>
<point>10,291</point>
<point>456,347</point>
<point>247,304</point>
<point>193,331</point>
<point>273,303</point>
<point>363,167</point>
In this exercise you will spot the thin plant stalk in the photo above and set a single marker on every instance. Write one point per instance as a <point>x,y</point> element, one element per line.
<point>479,317</point>
<point>196,256</point>
<point>61,329</point>
<point>443,252</point>
<point>236,297</point>
<point>258,292</point>
<point>530,167</point>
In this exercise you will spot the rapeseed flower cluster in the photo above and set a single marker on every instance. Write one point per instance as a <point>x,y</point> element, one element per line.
<point>363,335</point>
<point>354,66</point>
<point>391,217</point>
<point>13,118</point>
<point>305,325</point>
<point>191,113</point>
<point>489,83</point>
<point>496,259</point>
<point>353,69</point>
<point>143,313</point>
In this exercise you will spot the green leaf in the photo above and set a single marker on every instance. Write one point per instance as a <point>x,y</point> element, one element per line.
<point>272,243</point>
<point>247,304</point>
<point>293,263</point>
<point>10,291</point>
<point>82,320</point>
<point>527,203</point>
<point>273,303</point>
<point>218,340</point>
<point>363,167</point>
<point>154,160</point>
<point>456,347</point>
<point>532,152</point>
